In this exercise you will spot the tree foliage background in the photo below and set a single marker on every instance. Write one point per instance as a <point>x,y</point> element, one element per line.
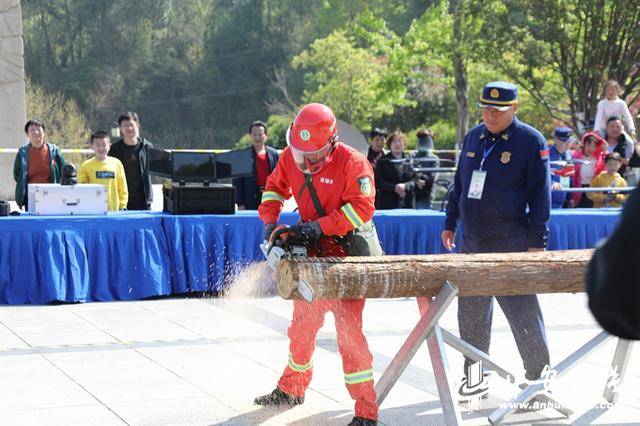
<point>65,124</point>
<point>199,71</point>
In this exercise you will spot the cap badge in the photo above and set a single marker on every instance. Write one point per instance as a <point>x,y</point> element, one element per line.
<point>494,93</point>
<point>305,135</point>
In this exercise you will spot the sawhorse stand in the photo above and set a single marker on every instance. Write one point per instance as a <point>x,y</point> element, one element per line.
<point>428,329</point>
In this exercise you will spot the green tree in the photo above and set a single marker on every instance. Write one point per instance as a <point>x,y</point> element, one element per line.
<point>561,52</point>
<point>65,124</point>
<point>277,138</point>
<point>446,36</point>
<point>448,50</point>
<point>352,70</point>
<point>113,56</point>
<point>196,71</point>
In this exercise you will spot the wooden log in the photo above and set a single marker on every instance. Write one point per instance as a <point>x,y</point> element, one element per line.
<point>490,274</point>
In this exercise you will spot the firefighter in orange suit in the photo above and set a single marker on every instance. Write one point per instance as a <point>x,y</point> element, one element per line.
<point>334,189</point>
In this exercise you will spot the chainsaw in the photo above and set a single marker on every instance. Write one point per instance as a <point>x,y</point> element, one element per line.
<point>277,249</point>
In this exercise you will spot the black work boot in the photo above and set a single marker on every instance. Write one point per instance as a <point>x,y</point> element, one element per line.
<point>277,397</point>
<point>361,421</point>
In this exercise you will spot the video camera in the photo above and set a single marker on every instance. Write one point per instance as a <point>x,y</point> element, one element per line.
<point>422,165</point>
<point>420,169</point>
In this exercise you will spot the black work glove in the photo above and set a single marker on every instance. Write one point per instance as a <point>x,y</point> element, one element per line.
<point>304,233</point>
<point>268,230</point>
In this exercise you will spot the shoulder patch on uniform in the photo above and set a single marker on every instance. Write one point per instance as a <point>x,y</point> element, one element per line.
<point>471,154</point>
<point>544,154</point>
<point>365,185</point>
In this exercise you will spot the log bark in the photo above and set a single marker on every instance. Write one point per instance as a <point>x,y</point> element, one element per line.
<point>490,274</point>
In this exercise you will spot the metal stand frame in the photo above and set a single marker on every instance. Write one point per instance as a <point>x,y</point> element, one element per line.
<point>475,354</point>
<point>428,329</point>
<point>425,329</point>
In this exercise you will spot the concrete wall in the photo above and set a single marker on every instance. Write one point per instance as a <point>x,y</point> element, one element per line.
<point>12,102</point>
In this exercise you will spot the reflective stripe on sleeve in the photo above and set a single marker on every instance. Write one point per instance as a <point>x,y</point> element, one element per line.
<point>272,196</point>
<point>299,367</point>
<point>351,215</point>
<point>358,377</point>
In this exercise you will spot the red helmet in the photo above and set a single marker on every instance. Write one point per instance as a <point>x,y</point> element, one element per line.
<point>311,137</point>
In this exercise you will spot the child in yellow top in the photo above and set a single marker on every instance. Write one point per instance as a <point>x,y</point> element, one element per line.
<point>105,170</point>
<point>609,178</point>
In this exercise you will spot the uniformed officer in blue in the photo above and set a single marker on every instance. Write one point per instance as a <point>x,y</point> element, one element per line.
<point>501,196</point>
<point>561,174</point>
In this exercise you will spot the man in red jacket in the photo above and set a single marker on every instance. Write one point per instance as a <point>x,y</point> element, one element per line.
<point>334,189</point>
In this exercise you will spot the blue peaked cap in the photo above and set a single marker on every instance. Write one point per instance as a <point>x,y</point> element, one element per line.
<point>499,94</point>
<point>564,134</point>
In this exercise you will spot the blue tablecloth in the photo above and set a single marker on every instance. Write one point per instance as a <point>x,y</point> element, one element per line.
<point>418,231</point>
<point>133,255</point>
<point>204,250</point>
<point>121,256</point>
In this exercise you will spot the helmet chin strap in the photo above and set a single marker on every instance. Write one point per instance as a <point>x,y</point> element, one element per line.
<point>332,142</point>
<point>311,167</point>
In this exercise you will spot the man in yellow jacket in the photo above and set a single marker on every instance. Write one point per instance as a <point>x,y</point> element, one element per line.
<point>609,178</point>
<point>107,171</point>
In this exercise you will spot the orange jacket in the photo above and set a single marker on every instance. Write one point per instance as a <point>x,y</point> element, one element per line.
<point>345,189</point>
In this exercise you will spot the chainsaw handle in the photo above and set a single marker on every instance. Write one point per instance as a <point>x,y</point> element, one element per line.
<point>278,236</point>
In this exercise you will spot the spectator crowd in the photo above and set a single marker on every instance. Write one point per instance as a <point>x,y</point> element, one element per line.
<point>606,155</point>
<point>122,167</point>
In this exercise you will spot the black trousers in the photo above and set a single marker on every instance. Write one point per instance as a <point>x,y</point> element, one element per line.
<point>475,315</point>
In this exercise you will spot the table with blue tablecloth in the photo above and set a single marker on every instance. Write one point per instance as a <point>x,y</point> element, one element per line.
<point>418,231</point>
<point>122,256</point>
<point>135,255</point>
<point>204,250</point>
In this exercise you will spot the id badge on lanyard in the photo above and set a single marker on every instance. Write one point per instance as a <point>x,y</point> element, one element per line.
<point>478,177</point>
<point>477,184</point>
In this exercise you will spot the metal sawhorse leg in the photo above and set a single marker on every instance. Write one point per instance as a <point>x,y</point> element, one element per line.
<point>428,329</point>
<point>618,365</point>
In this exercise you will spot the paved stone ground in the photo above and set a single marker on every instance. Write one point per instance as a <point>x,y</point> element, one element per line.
<point>202,361</point>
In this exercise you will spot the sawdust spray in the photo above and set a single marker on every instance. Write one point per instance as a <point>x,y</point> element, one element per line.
<point>251,281</point>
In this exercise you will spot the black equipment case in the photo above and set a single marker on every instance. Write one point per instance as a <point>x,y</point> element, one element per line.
<point>215,198</point>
